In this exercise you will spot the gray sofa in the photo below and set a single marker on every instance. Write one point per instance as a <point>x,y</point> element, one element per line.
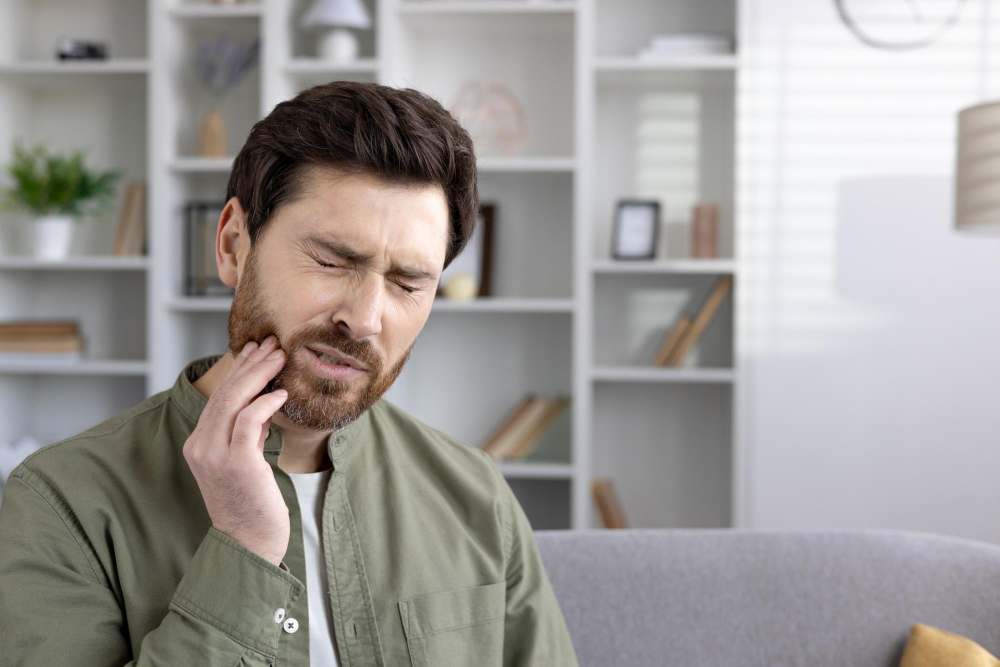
<point>726,597</point>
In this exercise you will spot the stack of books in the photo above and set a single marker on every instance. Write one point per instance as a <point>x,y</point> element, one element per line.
<point>688,328</point>
<point>40,340</point>
<point>524,427</point>
<point>681,44</point>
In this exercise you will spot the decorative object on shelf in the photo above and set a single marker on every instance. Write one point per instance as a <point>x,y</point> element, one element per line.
<point>201,226</point>
<point>608,504</point>
<point>40,340</point>
<point>68,48</point>
<point>475,260</point>
<point>688,329</point>
<point>672,45</point>
<point>636,229</point>
<point>338,45</point>
<point>59,191</point>
<point>522,430</point>
<point>977,184</point>
<point>130,237</point>
<point>221,63</point>
<point>492,116</point>
<point>461,286</point>
<point>705,231</point>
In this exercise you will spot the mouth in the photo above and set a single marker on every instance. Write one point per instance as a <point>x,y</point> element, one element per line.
<point>334,357</point>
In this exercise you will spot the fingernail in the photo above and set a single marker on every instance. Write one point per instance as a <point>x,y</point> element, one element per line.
<point>270,340</point>
<point>246,350</point>
<point>274,355</point>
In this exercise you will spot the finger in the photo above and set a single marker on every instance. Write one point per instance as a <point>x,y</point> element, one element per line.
<point>241,358</point>
<point>256,352</point>
<point>250,421</point>
<point>236,390</point>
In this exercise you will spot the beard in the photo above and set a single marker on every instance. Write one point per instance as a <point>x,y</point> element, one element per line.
<point>313,402</point>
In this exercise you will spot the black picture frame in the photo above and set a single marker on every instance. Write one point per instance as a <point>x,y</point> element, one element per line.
<point>478,262</point>
<point>636,229</point>
<point>201,273</point>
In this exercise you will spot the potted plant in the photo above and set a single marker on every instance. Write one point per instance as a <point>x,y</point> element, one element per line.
<point>58,190</point>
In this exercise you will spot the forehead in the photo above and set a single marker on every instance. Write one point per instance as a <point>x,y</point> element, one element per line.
<point>371,215</point>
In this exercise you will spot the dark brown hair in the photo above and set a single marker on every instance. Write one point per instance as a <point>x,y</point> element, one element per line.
<point>400,135</point>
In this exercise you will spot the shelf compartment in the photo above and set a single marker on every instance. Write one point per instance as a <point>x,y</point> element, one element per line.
<point>667,449</point>
<point>628,25</point>
<point>672,142</point>
<point>530,54</point>
<point>110,312</point>
<point>50,407</point>
<point>29,29</point>
<point>634,313</point>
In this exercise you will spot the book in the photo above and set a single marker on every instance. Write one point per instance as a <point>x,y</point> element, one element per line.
<point>608,504</point>
<point>130,237</point>
<point>555,407</point>
<point>722,287</point>
<point>522,427</point>
<point>37,327</point>
<point>41,344</point>
<point>671,340</point>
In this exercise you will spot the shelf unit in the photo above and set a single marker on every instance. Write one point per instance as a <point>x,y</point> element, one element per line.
<point>602,125</point>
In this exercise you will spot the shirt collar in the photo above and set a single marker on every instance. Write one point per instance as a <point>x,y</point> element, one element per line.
<point>191,403</point>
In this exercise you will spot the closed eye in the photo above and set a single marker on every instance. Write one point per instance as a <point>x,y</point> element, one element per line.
<point>409,290</point>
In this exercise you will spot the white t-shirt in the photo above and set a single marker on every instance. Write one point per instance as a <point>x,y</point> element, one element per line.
<point>310,488</point>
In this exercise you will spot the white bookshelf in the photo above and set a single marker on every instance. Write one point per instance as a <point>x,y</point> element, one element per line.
<point>565,318</point>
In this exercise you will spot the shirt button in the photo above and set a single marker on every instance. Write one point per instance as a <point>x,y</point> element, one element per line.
<point>291,625</point>
<point>279,615</point>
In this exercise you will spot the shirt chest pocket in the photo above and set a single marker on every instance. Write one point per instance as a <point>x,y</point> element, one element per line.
<point>459,627</point>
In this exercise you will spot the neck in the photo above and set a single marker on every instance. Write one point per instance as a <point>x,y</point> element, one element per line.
<point>303,450</point>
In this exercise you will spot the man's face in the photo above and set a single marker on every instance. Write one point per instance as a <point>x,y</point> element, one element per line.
<point>359,306</point>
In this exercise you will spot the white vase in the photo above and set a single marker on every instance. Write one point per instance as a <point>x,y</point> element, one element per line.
<point>53,236</point>
<point>338,46</point>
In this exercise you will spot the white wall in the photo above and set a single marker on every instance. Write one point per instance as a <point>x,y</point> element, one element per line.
<point>869,330</point>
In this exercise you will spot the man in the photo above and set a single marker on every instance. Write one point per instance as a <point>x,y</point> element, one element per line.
<point>271,508</point>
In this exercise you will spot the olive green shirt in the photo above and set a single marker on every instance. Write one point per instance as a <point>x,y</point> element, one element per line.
<point>108,555</point>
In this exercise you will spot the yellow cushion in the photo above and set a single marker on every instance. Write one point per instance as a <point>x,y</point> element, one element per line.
<point>933,647</point>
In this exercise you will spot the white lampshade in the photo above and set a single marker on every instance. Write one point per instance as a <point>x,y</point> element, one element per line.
<point>977,169</point>
<point>344,13</point>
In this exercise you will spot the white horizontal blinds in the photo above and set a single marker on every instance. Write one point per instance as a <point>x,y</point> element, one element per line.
<point>667,156</point>
<point>817,108</point>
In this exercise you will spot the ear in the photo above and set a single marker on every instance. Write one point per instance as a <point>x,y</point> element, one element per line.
<point>231,242</point>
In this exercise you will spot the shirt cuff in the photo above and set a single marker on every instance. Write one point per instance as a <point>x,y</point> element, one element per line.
<point>238,591</point>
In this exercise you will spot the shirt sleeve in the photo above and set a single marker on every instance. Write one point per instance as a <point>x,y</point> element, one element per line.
<point>56,605</point>
<point>535,632</point>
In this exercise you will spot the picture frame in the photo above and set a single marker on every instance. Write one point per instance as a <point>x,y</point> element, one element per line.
<point>476,258</point>
<point>636,229</point>
<point>201,224</point>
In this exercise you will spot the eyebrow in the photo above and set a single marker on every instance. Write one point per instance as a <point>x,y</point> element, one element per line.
<point>340,249</point>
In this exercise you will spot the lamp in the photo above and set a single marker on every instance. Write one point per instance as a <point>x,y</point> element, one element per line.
<point>977,169</point>
<point>338,45</point>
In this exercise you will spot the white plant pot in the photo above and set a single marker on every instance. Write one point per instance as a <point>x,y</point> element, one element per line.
<point>53,236</point>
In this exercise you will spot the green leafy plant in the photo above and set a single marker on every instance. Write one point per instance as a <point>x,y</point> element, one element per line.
<point>47,183</point>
